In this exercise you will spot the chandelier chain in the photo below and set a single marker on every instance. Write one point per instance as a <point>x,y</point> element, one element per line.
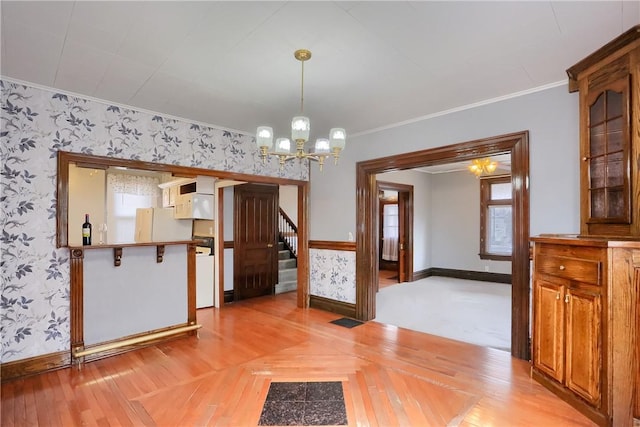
<point>302,89</point>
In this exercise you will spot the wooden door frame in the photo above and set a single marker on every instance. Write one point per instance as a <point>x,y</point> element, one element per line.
<point>517,145</point>
<point>303,289</point>
<point>408,225</point>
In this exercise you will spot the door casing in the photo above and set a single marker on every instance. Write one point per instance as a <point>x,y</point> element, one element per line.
<point>517,145</point>
<point>405,229</point>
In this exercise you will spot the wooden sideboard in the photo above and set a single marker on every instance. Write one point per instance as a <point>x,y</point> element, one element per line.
<point>585,322</point>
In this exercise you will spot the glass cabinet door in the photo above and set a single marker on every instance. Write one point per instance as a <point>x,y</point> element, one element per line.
<point>608,156</point>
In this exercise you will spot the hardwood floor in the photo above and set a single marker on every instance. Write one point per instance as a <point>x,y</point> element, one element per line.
<point>390,377</point>
<point>387,278</point>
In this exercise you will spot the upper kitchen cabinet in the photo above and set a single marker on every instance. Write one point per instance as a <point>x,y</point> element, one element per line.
<point>609,84</point>
<point>192,198</point>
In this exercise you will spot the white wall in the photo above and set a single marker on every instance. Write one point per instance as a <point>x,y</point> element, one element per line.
<point>455,227</point>
<point>86,195</point>
<point>550,116</point>
<point>289,201</point>
<point>421,213</point>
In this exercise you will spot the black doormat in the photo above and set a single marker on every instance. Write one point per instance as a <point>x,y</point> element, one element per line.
<point>346,322</point>
<point>304,404</point>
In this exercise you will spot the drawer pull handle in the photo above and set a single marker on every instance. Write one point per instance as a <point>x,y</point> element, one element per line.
<point>566,298</point>
<point>562,268</point>
<point>558,295</point>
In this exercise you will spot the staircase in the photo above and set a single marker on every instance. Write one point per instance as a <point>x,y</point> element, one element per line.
<point>287,270</point>
<point>287,262</point>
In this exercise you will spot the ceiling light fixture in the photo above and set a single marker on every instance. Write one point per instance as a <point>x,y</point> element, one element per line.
<point>481,166</point>
<point>300,129</point>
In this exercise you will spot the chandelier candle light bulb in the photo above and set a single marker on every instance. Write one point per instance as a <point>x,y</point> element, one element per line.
<point>300,130</point>
<point>481,166</point>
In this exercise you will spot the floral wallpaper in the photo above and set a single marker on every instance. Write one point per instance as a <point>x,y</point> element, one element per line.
<point>35,125</point>
<point>333,274</point>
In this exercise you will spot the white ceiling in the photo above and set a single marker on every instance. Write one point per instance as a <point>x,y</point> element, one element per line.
<point>374,64</point>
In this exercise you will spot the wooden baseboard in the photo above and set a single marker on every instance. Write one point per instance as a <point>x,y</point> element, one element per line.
<point>35,365</point>
<point>481,276</point>
<point>339,307</point>
<point>422,274</point>
<point>145,343</point>
<point>228,296</point>
<point>49,362</point>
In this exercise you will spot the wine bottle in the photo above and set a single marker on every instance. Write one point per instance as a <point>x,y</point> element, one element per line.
<point>86,231</point>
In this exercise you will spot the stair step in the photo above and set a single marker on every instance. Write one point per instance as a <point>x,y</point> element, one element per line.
<point>288,274</point>
<point>284,254</point>
<point>287,263</point>
<point>286,287</point>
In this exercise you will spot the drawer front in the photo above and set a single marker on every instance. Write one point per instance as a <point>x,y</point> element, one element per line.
<point>582,270</point>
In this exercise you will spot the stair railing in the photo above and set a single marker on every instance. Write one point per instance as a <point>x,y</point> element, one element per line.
<point>288,233</point>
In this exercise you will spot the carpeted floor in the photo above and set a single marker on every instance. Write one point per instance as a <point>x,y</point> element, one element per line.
<point>464,310</point>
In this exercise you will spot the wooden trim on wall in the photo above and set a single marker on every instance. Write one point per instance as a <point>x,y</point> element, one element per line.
<point>76,300</point>
<point>482,276</point>
<point>304,204</point>
<point>65,158</point>
<point>517,144</point>
<point>228,244</point>
<point>405,212</point>
<point>228,296</point>
<point>35,365</point>
<point>422,274</point>
<point>221,245</point>
<point>332,245</point>
<point>119,349</point>
<point>191,284</point>
<point>333,306</point>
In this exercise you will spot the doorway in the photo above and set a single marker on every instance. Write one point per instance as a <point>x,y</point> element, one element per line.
<point>517,145</point>
<point>255,261</point>
<point>395,247</point>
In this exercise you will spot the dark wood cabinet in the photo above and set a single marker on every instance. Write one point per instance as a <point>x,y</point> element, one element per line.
<point>609,84</point>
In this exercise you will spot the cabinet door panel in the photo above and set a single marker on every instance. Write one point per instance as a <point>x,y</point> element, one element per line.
<point>606,154</point>
<point>549,329</point>
<point>583,344</point>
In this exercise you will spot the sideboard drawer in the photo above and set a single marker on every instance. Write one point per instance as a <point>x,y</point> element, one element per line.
<point>582,270</point>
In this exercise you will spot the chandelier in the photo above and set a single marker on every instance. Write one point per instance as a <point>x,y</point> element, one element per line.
<point>481,166</point>
<point>300,128</point>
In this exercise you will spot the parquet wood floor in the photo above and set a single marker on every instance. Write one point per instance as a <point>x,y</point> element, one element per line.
<point>390,377</point>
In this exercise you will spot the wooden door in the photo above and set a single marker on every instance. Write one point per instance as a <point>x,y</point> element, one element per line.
<point>255,258</point>
<point>548,336</point>
<point>583,346</point>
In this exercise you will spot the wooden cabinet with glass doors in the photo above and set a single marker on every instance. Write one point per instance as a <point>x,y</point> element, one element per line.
<point>609,85</point>
<point>586,288</point>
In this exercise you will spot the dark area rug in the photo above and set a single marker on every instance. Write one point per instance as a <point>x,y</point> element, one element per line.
<point>304,404</point>
<point>346,322</point>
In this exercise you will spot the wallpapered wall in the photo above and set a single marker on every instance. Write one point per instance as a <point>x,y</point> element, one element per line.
<point>36,123</point>
<point>333,274</point>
